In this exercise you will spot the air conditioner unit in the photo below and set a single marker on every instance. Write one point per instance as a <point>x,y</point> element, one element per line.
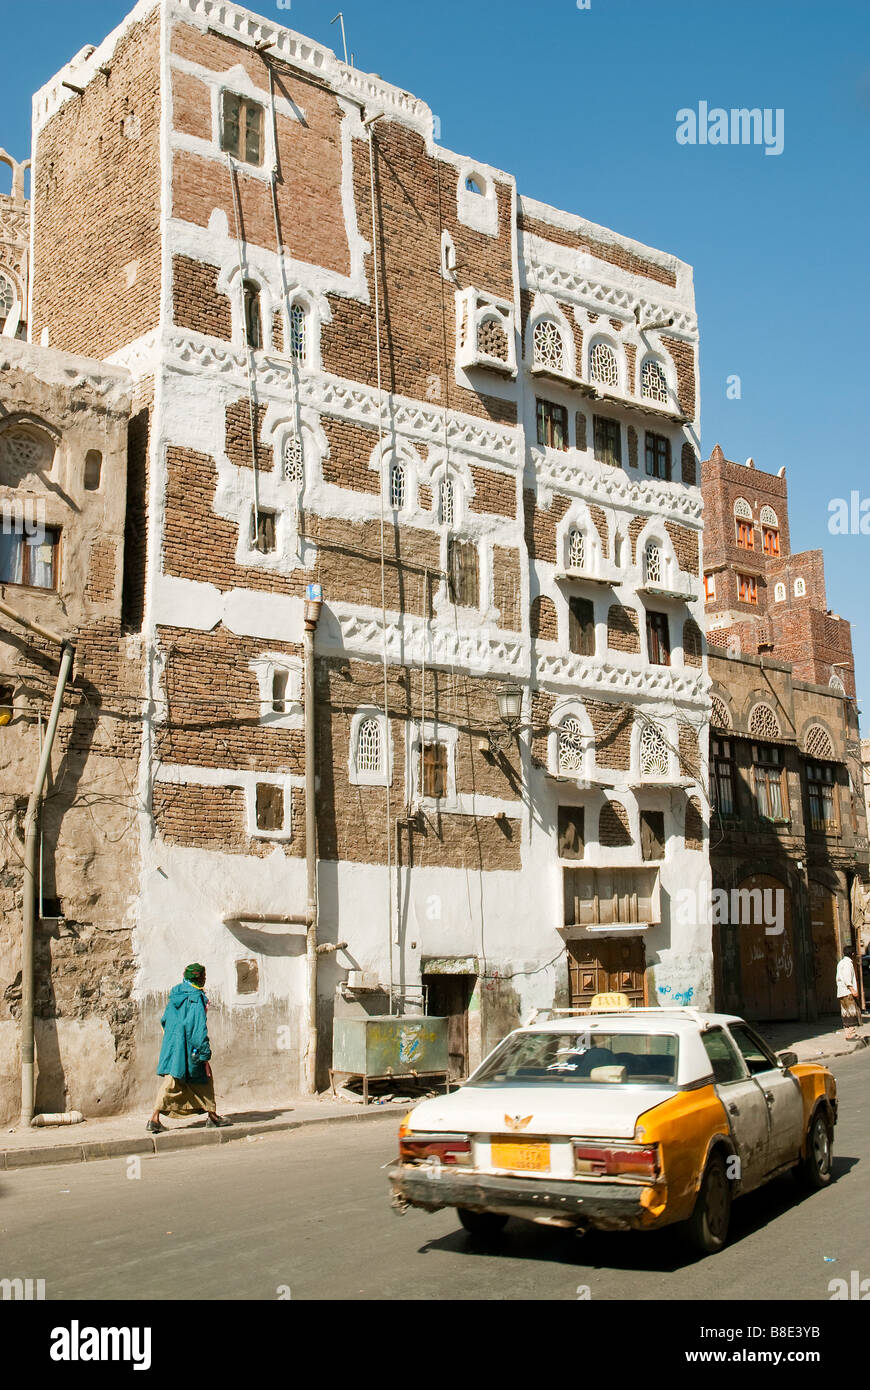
<point>362,980</point>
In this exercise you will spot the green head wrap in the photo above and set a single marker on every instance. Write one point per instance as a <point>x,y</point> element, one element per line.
<point>194,972</point>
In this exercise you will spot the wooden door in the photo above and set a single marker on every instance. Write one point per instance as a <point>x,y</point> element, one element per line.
<point>449,997</point>
<point>768,972</point>
<point>826,946</point>
<point>613,964</point>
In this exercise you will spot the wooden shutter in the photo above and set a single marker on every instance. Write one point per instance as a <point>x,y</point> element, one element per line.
<point>571,836</point>
<point>463,571</point>
<point>652,834</point>
<point>435,769</point>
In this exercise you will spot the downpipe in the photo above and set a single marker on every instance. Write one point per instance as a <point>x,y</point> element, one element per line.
<point>31,842</point>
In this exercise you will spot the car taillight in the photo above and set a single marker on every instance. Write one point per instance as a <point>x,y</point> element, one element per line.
<point>417,1148</point>
<point>611,1161</point>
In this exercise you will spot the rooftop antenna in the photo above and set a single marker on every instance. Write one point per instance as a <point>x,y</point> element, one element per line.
<point>340,16</point>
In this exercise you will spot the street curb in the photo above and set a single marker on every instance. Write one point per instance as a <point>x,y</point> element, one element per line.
<point>90,1150</point>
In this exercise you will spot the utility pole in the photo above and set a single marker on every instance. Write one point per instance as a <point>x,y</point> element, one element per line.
<point>313,601</point>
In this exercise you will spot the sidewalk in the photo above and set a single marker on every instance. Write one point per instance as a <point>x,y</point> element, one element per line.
<point>815,1042</point>
<point>121,1135</point>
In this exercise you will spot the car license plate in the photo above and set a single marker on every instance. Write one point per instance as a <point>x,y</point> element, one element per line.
<point>523,1155</point>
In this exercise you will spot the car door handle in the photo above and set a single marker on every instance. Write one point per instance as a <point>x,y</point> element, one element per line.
<point>768,1096</point>
<point>733,1109</point>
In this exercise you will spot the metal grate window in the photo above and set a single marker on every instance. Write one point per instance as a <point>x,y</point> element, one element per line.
<point>654,760</point>
<point>603,366</point>
<point>547,345</point>
<point>653,382</point>
<point>298,333</point>
<point>293,460</point>
<point>576,549</point>
<point>571,741</point>
<point>397,485</point>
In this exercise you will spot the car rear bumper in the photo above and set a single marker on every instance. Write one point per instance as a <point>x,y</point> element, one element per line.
<point>607,1206</point>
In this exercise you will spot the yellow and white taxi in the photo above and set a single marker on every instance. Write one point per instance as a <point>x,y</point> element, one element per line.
<point>619,1119</point>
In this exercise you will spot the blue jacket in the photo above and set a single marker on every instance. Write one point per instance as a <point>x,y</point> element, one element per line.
<point>185,1047</point>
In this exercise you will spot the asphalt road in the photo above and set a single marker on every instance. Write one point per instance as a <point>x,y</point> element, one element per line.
<point>306,1215</point>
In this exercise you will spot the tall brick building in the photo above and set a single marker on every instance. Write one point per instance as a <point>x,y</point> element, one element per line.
<point>787,806</point>
<point>364,362</point>
<point>14,251</point>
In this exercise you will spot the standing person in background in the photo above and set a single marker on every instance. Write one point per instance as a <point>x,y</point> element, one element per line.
<point>187,1087</point>
<point>847,993</point>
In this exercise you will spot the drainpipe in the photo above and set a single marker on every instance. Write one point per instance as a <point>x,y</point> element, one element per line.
<point>313,600</point>
<point>31,820</point>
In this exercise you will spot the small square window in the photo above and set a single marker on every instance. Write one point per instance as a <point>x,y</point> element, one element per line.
<point>709,587</point>
<point>270,806</point>
<point>30,560</point>
<point>747,588</point>
<point>253,319</point>
<point>658,639</point>
<point>247,977</point>
<point>263,532</point>
<point>435,770</point>
<point>242,128</point>
<point>279,690</point>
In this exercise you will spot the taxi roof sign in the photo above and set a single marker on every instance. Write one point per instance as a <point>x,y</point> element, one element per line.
<point>609,1003</point>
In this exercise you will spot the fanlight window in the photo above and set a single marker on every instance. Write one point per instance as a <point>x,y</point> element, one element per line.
<point>818,743</point>
<point>763,723</point>
<point>602,365</point>
<point>654,760</point>
<point>837,685</point>
<point>368,746</point>
<point>769,517</point>
<point>576,549</point>
<point>742,509</point>
<point>448,502</point>
<point>548,348</point>
<point>720,718</point>
<point>293,460</point>
<point>571,745</point>
<point>653,564</point>
<point>397,485</point>
<point>298,333</point>
<point>24,453</point>
<point>653,382</point>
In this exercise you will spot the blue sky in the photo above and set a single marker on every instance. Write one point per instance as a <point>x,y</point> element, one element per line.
<point>581,106</point>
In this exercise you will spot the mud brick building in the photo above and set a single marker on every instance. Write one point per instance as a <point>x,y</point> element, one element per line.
<point>787,806</point>
<point>63,489</point>
<point>364,362</point>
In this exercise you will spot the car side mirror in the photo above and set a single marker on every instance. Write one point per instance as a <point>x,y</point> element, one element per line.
<point>787,1059</point>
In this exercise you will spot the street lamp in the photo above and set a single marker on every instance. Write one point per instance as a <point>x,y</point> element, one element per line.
<point>510,704</point>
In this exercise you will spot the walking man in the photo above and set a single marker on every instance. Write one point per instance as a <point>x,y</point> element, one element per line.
<point>187,1087</point>
<point>847,993</point>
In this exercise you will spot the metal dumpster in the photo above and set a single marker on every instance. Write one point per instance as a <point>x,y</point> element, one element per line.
<point>389,1045</point>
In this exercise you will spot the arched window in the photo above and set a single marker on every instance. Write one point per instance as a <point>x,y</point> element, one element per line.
<point>769,531</point>
<point>26,452</point>
<point>397,484</point>
<point>369,750</point>
<point>293,460</point>
<point>817,743</point>
<point>7,298</point>
<point>253,318</point>
<point>763,723</point>
<point>779,593</point>
<point>492,341</point>
<point>571,740</point>
<point>654,760</point>
<point>298,333</point>
<point>93,470</point>
<point>769,517</point>
<point>652,564</point>
<point>280,677</point>
<point>576,549</point>
<point>473,186</point>
<point>603,366</point>
<point>742,509</point>
<point>836,685</point>
<point>548,349</point>
<point>447,502</point>
<point>653,382</point>
<point>720,718</point>
<point>800,588</point>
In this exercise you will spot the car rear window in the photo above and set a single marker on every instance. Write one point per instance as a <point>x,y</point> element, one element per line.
<point>582,1058</point>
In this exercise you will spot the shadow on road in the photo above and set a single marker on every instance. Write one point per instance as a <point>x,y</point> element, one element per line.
<point>661,1252</point>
